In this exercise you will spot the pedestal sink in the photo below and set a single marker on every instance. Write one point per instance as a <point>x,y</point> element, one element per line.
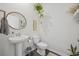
<point>18,41</point>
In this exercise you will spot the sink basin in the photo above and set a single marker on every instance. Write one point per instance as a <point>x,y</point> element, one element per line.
<point>18,43</point>
<point>18,39</point>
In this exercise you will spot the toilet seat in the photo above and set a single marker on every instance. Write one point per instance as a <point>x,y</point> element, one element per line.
<point>42,45</point>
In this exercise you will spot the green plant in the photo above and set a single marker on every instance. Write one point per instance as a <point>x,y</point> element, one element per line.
<point>39,9</point>
<point>73,50</point>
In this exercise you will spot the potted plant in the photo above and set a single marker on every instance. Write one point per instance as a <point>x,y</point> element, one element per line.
<point>39,8</point>
<point>73,50</point>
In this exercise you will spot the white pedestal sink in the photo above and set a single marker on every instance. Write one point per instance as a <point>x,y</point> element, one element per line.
<point>18,41</point>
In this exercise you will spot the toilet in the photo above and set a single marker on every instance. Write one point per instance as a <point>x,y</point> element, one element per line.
<point>41,46</point>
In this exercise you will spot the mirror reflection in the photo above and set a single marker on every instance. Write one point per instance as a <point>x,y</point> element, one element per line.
<point>16,20</point>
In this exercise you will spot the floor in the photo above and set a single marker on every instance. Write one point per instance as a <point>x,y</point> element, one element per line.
<point>47,53</point>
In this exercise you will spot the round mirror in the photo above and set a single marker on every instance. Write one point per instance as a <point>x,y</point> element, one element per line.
<point>16,20</point>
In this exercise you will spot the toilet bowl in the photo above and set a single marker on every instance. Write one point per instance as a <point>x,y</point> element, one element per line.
<point>41,46</point>
<point>39,43</point>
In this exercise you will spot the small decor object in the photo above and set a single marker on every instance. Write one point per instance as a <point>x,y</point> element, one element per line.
<point>76,16</point>
<point>44,20</point>
<point>73,50</point>
<point>4,29</point>
<point>39,9</point>
<point>34,25</point>
<point>74,11</point>
<point>73,8</point>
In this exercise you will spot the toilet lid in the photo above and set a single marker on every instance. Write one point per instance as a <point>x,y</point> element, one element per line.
<point>42,44</point>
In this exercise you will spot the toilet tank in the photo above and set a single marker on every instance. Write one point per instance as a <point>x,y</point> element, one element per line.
<point>36,39</point>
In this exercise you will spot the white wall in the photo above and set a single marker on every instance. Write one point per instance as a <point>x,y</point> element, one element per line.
<point>60,35</point>
<point>64,31</point>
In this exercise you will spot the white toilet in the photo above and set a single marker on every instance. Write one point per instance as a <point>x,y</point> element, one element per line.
<point>41,46</point>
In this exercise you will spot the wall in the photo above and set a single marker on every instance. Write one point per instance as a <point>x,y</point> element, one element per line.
<point>62,31</point>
